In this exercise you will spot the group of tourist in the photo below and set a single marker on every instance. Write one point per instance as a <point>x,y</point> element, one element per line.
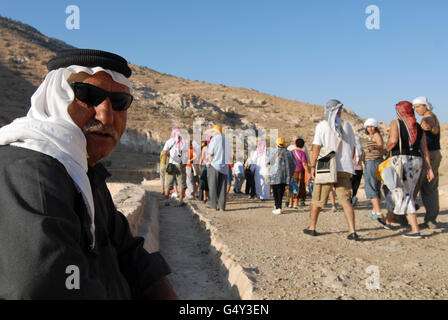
<point>413,153</point>
<point>413,150</point>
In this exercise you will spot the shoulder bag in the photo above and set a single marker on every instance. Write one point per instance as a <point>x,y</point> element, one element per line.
<point>326,167</point>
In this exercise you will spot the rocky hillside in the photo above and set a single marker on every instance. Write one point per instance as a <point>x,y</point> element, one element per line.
<point>161,100</point>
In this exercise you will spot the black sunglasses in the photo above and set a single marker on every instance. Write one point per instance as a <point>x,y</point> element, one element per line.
<point>93,96</point>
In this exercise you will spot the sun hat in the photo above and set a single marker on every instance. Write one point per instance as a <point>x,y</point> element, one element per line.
<point>371,123</point>
<point>281,142</point>
<point>423,100</point>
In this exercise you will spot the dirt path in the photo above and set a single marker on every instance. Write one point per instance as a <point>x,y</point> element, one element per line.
<point>185,246</point>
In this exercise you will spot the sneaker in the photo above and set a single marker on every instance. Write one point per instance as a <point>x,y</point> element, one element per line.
<point>385,225</point>
<point>302,204</point>
<point>371,215</point>
<point>334,208</point>
<point>423,225</point>
<point>354,200</point>
<point>277,211</point>
<point>312,233</point>
<point>353,236</point>
<point>295,207</point>
<point>412,235</point>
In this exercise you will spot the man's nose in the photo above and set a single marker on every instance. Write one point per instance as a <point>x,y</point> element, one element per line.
<point>104,112</point>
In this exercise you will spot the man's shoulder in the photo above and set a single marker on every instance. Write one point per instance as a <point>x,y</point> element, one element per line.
<point>27,170</point>
<point>322,125</point>
<point>168,144</point>
<point>11,156</point>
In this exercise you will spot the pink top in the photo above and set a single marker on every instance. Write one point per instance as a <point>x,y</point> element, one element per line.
<point>300,157</point>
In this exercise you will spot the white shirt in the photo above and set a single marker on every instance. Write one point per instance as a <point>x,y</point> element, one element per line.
<point>222,153</point>
<point>238,169</point>
<point>325,137</point>
<point>175,156</point>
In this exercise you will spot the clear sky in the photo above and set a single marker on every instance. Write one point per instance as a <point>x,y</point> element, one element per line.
<point>310,51</point>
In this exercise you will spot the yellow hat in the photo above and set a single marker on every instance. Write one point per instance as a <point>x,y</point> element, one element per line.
<point>281,142</point>
<point>217,128</point>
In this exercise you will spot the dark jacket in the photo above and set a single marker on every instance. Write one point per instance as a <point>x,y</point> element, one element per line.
<point>44,232</point>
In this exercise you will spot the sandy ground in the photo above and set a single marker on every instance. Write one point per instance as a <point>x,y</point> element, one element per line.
<point>287,264</point>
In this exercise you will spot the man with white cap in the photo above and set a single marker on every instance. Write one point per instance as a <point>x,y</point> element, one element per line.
<point>61,236</point>
<point>429,190</point>
<point>337,135</point>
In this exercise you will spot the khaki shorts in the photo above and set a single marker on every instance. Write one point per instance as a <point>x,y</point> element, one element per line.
<point>181,177</point>
<point>343,188</point>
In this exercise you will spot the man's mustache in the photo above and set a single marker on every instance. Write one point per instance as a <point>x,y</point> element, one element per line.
<point>95,126</point>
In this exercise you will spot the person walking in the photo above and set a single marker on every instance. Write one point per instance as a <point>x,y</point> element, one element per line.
<point>203,162</point>
<point>337,135</point>
<point>281,172</point>
<point>249,175</point>
<point>407,144</point>
<point>373,156</point>
<point>219,153</point>
<point>177,150</point>
<point>299,175</point>
<point>261,175</point>
<point>357,165</point>
<point>238,174</point>
<point>429,191</point>
<point>192,170</point>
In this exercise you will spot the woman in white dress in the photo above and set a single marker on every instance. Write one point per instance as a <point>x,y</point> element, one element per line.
<point>260,160</point>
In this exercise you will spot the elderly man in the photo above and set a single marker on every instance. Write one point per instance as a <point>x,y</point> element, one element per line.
<point>337,135</point>
<point>61,236</point>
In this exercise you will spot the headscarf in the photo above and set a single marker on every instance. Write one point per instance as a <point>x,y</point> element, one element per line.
<point>405,112</point>
<point>331,111</point>
<point>179,142</point>
<point>423,100</point>
<point>49,129</point>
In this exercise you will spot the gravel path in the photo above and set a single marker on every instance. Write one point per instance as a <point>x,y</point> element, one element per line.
<point>287,264</point>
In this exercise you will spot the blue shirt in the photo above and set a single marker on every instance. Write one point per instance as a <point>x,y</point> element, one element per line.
<point>222,153</point>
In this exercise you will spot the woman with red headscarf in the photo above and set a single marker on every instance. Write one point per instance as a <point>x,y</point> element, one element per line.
<point>407,145</point>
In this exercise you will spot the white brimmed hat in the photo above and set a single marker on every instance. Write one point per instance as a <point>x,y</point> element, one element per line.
<point>371,123</point>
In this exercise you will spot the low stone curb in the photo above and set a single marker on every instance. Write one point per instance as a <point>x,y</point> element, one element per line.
<point>132,202</point>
